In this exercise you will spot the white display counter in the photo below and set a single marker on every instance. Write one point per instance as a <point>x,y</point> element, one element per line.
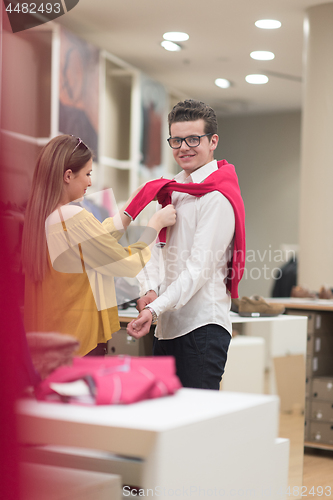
<point>197,443</point>
<point>284,335</point>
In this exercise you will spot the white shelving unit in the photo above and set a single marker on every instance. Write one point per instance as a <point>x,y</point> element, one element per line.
<point>119,112</point>
<point>30,113</point>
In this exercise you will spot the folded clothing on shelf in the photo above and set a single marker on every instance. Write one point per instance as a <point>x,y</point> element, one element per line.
<point>111,380</point>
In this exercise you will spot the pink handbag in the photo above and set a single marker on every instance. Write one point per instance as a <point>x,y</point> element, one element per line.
<point>111,380</point>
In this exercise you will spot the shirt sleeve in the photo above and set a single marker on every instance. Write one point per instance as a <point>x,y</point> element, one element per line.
<point>213,235</point>
<point>152,274</point>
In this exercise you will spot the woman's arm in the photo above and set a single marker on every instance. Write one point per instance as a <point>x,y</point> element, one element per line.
<point>121,220</point>
<point>92,243</point>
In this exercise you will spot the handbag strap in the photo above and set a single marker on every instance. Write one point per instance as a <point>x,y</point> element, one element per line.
<point>68,240</point>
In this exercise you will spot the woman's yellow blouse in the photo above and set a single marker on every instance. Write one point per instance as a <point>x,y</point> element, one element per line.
<point>77,295</point>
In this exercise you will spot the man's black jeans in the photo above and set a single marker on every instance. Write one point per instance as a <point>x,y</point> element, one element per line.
<point>200,355</point>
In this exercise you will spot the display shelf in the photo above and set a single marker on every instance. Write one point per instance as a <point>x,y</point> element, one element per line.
<point>32,112</point>
<point>303,304</point>
<point>319,363</point>
<point>119,138</point>
<point>119,164</point>
<point>320,446</point>
<point>117,112</point>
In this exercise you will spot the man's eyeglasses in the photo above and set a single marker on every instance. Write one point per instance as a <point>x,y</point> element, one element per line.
<point>192,141</point>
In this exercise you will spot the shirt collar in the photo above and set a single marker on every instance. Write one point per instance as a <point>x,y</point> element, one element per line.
<point>198,175</point>
<point>201,173</point>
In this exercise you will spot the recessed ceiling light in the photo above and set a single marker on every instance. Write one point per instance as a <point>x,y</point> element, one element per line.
<point>173,47</point>
<point>256,79</point>
<point>222,83</point>
<point>176,36</point>
<point>268,24</point>
<point>262,55</point>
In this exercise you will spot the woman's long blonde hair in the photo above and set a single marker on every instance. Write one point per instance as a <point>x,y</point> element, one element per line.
<point>60,154</point>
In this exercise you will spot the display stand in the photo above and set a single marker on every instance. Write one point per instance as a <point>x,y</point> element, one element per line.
<point>45,482</point>
<point>195,443</point>
<point>319,368</point>
<point>284,336</point>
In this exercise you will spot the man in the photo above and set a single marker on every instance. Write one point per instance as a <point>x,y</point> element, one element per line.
<point>191,301</point>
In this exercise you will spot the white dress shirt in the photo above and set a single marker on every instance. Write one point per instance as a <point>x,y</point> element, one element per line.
<point>189,273</point>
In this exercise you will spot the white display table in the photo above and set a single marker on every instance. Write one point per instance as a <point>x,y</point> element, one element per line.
<point>197,443</point>
<point>245,366</point>
<point>284,335</point>
<point>44,482</point>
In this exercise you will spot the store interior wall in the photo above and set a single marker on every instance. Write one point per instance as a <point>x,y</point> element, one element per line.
<point>265,150</point>
<point>25,108</point>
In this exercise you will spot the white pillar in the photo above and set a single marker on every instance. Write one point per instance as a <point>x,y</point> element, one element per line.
<point>316,213</point>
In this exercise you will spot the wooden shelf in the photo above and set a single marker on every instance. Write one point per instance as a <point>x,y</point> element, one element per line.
<point>307,304</point>
<point>319,358</point>
<point>112,162</point>
<point>321,446</point>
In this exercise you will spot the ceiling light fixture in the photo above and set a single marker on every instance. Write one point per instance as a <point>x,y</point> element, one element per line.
<point>222,83</point>
<point>173,47</point>
<point>262,55</point>
<point>268,24</point>
<point>256,79</point>
<point>176,36</point>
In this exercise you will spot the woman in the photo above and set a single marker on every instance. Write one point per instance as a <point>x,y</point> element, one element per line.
<point>69,258</point>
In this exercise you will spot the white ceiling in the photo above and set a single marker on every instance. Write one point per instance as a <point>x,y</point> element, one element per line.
<point>222,35</point>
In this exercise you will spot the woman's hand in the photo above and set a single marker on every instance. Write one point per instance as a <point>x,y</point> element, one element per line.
<point>163,218</point>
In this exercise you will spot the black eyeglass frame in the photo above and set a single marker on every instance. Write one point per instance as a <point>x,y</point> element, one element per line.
<point>184,139</point>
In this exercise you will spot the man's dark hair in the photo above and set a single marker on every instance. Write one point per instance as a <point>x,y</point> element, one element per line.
<point>191,110</point>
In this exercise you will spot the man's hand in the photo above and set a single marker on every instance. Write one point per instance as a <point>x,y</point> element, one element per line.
<point>145,300</point>
<point>140,326</point>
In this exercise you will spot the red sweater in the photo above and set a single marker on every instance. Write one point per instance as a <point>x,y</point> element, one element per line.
<point>223,180</point>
